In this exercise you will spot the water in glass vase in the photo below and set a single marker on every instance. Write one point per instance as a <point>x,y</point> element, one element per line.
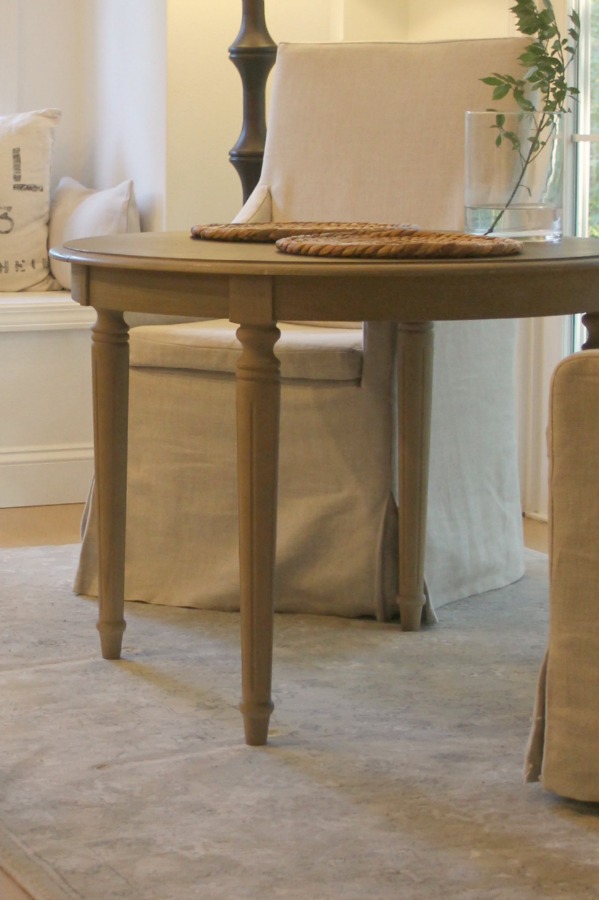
<point>521,173</point>
<point>520,221</point>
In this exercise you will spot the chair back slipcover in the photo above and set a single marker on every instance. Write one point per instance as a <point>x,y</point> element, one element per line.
<point>375,131</point>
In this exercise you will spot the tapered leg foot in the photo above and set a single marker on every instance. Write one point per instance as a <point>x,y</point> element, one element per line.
<point>256,718</point>
<point>111,638</point>
<point>411,612</point>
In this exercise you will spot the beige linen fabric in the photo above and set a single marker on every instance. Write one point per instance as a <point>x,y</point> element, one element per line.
<point>356,132</point>
<point>337,524</point>
<point>26,145</point>
<point>563,750</point>
<point>393,116</point>
<point>79,212</point>
<point>212,346</point>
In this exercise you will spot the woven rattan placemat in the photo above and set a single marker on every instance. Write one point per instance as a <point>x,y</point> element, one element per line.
<point>408,245</point>
<point>270,232</point>
<point>361,240</point>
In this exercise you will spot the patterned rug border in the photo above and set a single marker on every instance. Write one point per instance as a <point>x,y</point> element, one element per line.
<point>30,872</point>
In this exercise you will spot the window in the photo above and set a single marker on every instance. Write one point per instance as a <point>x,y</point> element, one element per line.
<point>586,137</point>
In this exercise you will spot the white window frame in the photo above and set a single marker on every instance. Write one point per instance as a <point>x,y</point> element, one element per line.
<point>542,343</point>
<point>583,137</point>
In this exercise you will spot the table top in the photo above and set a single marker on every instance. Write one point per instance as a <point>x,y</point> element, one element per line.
<point>546,279</point>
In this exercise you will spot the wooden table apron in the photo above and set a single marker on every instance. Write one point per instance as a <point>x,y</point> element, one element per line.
<point>254,286</point>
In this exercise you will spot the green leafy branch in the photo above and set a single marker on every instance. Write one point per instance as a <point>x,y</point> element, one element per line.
<point>547,59</point>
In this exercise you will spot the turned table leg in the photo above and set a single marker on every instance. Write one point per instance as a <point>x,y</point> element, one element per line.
<point>591,323</point>
<point>414,396</point>
<point>110,365</point>
<point>258,402</point>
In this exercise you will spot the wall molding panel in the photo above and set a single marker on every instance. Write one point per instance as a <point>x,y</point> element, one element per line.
<point>45,475</point>
<point>46,431</point>
<point>53,311</point>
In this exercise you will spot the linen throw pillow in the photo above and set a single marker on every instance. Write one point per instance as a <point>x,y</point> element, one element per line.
<point>80,212</point>
<point>26,142</point>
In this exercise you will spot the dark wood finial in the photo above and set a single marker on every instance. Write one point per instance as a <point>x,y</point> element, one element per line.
<point>253,53</point>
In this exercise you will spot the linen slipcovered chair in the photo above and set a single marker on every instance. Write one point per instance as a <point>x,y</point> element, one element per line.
<point>357,132</point>
<point>563,751</point>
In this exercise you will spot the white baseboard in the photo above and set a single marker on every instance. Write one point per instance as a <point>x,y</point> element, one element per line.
<point>46,453</point>
<point>43,311</point>
<point>44,476</point>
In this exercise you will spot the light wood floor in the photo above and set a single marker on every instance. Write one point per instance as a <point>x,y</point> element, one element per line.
<point>37,526</point>
<point>10,890</point>
<point>536,534</point>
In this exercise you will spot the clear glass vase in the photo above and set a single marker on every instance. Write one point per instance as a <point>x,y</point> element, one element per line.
<point>514,174</point>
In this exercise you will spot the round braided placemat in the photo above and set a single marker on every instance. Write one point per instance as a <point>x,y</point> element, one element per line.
<point>270,232</point>
<point>398,244</point>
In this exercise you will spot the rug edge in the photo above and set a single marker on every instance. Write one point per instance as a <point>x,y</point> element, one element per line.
<point>31,873</point>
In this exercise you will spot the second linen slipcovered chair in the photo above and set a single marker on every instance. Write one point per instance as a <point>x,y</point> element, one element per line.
<point>357,132</point>
<point>563,751</point>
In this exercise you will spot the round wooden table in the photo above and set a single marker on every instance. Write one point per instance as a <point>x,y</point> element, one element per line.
<point>255,285</point>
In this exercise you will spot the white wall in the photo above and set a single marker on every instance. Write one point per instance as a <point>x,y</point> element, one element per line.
<point>45,66</point>
<point>126,43</point>
<point>375,20</point>
<point>430,20</point>
<point>9,56</point>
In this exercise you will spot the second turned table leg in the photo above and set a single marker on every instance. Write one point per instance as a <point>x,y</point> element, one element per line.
<point>258,402</point>
<point>110,368</point>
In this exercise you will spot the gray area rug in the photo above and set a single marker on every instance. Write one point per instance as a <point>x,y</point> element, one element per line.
<point>394,768</point>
